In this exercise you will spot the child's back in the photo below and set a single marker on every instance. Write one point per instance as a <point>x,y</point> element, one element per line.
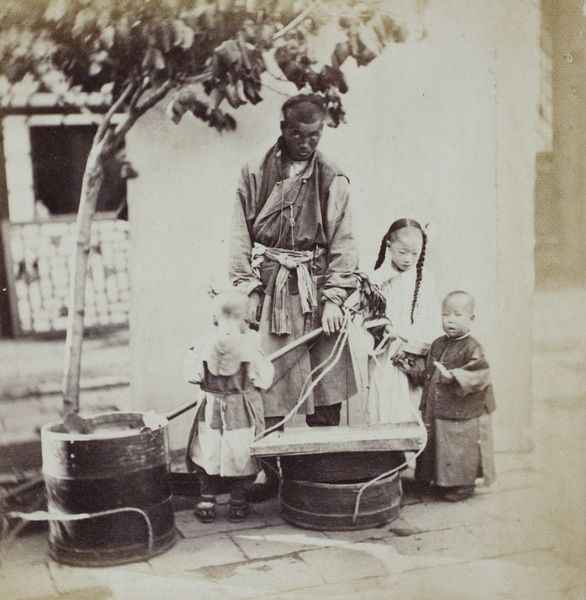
<point>230,370</point>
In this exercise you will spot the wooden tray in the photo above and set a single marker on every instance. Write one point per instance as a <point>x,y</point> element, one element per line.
<point>321,440</point>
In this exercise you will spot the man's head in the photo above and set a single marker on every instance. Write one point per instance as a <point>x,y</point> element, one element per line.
<point>302,125</point>
<point>457,313</point>
<point>231,312</point>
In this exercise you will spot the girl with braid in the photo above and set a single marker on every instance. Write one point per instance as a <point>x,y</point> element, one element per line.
<point>414,311</point>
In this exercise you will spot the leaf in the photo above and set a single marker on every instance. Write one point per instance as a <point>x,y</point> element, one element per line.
<point>165,36</point>
<point>183,34</point>
<point>56,10</point>
<point>153,60</point>
<point>230,55</point>
<point>94,69</point>
<point>107,37</point>
<point>370,41</point>
<point>84,23</point>
<point>252,89</point>
<point>341,53</point>
<point>183,101</point>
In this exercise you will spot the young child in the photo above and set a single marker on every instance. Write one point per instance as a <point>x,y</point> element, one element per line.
<point>456,406</point>
<point>414,312</point>
<point>230,369</point>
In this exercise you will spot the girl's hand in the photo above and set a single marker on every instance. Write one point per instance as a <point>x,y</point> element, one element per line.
<point>400,359</point>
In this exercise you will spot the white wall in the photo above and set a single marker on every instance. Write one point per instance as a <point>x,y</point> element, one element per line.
<point>442,130</point>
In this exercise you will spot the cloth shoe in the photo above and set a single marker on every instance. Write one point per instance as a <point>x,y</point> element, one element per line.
<point>205,510</point>
<point>238,511</point>
<point>459,493</point>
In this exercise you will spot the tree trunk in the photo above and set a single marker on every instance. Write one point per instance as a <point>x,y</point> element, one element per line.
<point>92,182</point>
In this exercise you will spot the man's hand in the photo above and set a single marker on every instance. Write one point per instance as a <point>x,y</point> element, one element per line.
<point>254,310</point>
<point>332,317</point>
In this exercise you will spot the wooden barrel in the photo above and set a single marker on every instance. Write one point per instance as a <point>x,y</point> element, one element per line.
<point>111,488</point>
<point>331,506</point>
<point>340,467</point>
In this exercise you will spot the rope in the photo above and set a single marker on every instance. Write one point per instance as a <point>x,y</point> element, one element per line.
<point>395,470</point>
<point>336,353</point>
<point>43,515</point>
<point>301,355</point>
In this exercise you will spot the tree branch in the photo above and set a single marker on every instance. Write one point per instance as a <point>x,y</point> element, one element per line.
<point>137,94</point>
<point>138,110</point>
<point>296,20</point>
<point>155,97</point>
<point>197,78</point>
<point>112,111</point>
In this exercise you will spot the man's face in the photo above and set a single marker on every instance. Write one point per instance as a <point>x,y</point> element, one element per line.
<point>301,139</point>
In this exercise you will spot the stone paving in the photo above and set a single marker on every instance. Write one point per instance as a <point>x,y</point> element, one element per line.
<point>523,538</point>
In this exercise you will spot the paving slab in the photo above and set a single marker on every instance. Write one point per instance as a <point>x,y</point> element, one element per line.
<point>28,549</point>
<point>189,555</point>
<point>29,583</point>
<point>471,542</point>
<point>190,527</point>
<point>269,511</point>
<point>362,535</point>
<point>495,579</point>
<point>363,560</point>
<point>68,579</point>
<point>129,586</point>
<point>255,578</point>
<point>281,540</point>
<point>433,515</point>
<point>347,590</point>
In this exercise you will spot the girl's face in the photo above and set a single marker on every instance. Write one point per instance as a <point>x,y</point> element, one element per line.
<point>405,247</point>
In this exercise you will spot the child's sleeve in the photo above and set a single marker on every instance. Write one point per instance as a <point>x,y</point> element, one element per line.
<point>193,370</point>
<point>261,371</point>
<point>474,376</point>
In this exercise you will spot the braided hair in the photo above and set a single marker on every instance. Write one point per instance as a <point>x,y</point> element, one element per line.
<point>387,238</point>
<point>418,277</point>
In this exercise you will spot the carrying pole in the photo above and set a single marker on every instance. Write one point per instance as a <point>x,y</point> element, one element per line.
<point>272,357</point>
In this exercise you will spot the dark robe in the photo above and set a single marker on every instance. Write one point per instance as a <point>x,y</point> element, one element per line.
<point>457,415</point>
<point>304,212</point>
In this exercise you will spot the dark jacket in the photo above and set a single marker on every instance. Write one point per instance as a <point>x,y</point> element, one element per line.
<point>469,395</point>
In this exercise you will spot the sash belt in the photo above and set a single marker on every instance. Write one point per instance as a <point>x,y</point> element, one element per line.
<point>289,260</point>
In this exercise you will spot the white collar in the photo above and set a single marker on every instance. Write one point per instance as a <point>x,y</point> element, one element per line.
<point>460,338</point>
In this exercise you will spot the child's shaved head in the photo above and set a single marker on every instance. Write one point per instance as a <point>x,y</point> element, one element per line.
<point>231,305</point>
<point>457,313</point>
<point>464,299</point>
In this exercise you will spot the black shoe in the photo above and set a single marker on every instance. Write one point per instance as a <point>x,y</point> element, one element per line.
<point>238,512</point>
<point>459,493</point>
<point>205,511</point>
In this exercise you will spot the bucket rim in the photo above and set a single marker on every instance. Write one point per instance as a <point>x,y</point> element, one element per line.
<point>345,485</point>
<point>49,430</point>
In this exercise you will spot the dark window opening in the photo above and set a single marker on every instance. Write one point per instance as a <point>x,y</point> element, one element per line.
<point>59,155</point>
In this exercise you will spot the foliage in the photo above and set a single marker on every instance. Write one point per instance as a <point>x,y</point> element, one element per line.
<point>136,51</point>
<point>213,51</point>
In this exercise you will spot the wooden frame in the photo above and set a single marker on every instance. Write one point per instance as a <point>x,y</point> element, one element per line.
<point>344,438</point>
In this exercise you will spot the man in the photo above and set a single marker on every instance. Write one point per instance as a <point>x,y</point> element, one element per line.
<point>293,252</point>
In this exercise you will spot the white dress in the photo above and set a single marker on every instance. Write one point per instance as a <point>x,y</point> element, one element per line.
<point>390,398</point>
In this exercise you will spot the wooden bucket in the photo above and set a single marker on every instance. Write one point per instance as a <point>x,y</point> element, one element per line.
<point>340,467</point>
<point>331,506</point>
<point>111,489</point>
